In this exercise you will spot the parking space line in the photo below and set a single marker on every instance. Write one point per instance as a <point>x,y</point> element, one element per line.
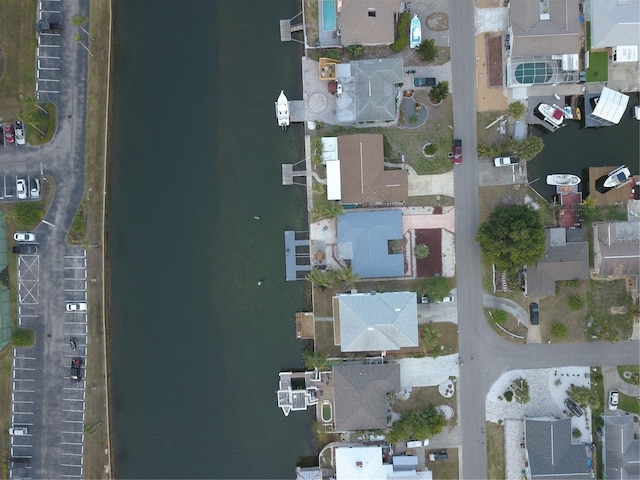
<point>72,411</point>
<point>23,368</point>
<point>73,399</point>
<point>72,421</point>
<point>23,379</point>
<point>72,433</point>
<point>24,358</point>
<point>23,413</point>
<point>24,391</point>
<point>72,454</point>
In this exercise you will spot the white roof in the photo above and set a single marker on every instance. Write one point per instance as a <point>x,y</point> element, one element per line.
<point>611,105</point>
<point>355,463</point>
<point>329,148</point>
<point>334,190</point>
<point>626,53</point>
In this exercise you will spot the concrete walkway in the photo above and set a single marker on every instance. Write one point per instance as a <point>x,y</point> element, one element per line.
<point>441,184</point>
<point>509,306</point>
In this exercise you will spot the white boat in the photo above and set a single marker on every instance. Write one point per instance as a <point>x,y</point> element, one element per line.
<point>563,179</point>
<point>636,112</point>
<point>551,114</point>
<point>416,32</point>
<point>282,110</point>
<point>616,178</point>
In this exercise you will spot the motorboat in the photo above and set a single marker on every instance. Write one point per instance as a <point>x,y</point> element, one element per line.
<point>617,177</point>
<point>563,179</point>
<point>282,110</point>
<point>416,32</point>
<point>552,114</point>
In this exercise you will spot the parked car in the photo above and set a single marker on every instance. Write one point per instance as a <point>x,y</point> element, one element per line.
<point>24,237</point>
<point>435,455</point>
<point>48,27</point>
<point>76,369</point>
<point>534,314</point>
<point>19,131</point>
<point>504,161</point>
<point>9,132</point>
<point>76,306</point>
<point>424,298</point>
<point>35,188</point>
<point>25,249</point>
<point>613,400</point>
<point>457,151</point>
<point>447,299</point>
<point>15,430</point>
<point>21,188</point>
<point>573,407</point>
<point>424,82</point>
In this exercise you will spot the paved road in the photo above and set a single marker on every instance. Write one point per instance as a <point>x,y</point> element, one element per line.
<point>63,160</point>
<point>485,354</point>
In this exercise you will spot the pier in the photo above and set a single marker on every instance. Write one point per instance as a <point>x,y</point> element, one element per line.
<point>296,255</point>
<point>288,174</point>
<point>286,29</point>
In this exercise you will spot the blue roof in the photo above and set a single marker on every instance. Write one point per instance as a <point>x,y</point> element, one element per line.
<point>363,238</point>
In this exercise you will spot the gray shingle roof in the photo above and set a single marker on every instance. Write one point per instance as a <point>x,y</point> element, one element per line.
<point>618,247</point>
<point>622,451</point>
<point>378,321</point>
<point>376,86</point>
<point>360,395</point>
<point>615,23</point>
<point>551,453</point>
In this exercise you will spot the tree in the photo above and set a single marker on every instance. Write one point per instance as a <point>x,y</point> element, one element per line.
<point>420,424</point>
<point>314,360</point>
<point>35,120</point>
<point>516,109</point>
<point>355,51</point>
<point>347,276</point>
<point>528,148</point>
<point>512,236</point>
<point>520,388</point>
<point>318,278</point>
<point>78,21</point>
<point>33,102</point>
<point>559,330</point>
<point>508,395</point>
<point>421,251</point>
<point>430,342</point>
<point>437,288</point>
<point>584,396</point>
<point>427,50</point>
<point>438,93</point>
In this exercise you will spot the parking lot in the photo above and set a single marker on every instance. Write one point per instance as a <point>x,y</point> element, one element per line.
<point>48,51</point>
<point>9,186</point>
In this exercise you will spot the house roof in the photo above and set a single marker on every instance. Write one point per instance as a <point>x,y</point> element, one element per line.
<point>550,451</point>
<point>363,178</point>
<point>615,23</point>
<point>377,321</point>
<point>537,33</point>
<point>360,395</point>
<point>353,463</point>
<point>562,260</point>
<point>622,450</point>
<point>363,238</point>
<point>376,88</point>
<point>358,26</point>
<point>617,251</point>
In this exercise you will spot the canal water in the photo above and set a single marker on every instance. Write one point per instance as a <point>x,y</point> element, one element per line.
<point>196,154</point>
<point>572,149</point>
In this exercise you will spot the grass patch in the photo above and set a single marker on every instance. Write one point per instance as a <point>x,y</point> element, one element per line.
<point>630,373</point>
<point>597,383</point>
<point>629,404</point>
<point>603,295</point>
<point>47,123</point>
<point>495,451</point>
<point>598,67</point>
<point>511,325</point>
<point>76,234</point>
<point>421,398</point>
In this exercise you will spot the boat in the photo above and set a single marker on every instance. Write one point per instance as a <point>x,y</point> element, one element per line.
<point>282,110</point>
<point>563,179</point>
<point>551,114</point>
<point>636,112</point>
<point>617,177</point>
<point>416,32</point>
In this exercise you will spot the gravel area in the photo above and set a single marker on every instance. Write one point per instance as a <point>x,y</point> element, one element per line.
<point>547,400</point>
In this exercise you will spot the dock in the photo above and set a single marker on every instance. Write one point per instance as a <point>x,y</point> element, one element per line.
<point>616,196</point>
<point>296,256</point>
<point>286,29</point>
<point>288,175</point>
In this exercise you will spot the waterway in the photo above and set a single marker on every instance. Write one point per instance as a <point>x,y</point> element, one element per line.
<point>572,149</point>
<point>196,154</point>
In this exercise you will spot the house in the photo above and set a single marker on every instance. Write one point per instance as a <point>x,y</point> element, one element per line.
<point>615,24</point>
<point>370,90</point>
<point>621,453</point>
<point>367,22</point>
<point>360,395</point>
<point>297,390</point>
<point>364,239</point>
<point>566,258</point>
<point>550,451</point>
<point>359,178</point>
<point>367,322</point>
<point>616,250</point>
<point>367,463</point>
<point>545,39</point>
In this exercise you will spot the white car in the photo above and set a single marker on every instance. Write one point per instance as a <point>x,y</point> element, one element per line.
<point>447,299</point>
<point>76,306</point>
<point>18,431</point>
<point>613,400</point>
<point>19,127</point>
<point>24,237</point>
<point>505,161</point>
<point>21,187</point>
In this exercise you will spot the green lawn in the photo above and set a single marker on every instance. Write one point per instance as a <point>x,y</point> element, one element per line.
<point>629,404</point>
<point>630,373</point>
<point>598,67</point>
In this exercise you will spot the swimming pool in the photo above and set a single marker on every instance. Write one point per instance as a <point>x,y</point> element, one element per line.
<point>328,15</point>
<point>533,72</point>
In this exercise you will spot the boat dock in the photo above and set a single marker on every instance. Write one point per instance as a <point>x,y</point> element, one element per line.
<point>296,256</point>
<point>615,196</point>
<point>286,29</point>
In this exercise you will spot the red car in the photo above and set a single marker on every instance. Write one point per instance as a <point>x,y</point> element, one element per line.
<point>457,152</point>
<point>9,132</point>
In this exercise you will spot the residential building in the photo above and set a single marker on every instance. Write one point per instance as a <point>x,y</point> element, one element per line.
<point>621,453</point>
<point>367,22</point>
<point>615,24</point>
<point>616,248</point>
<point>367,463</point>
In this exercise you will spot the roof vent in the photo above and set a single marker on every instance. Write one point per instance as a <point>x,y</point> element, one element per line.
<point>359,464</point>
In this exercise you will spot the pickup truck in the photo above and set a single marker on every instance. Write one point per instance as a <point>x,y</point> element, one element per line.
<point>505,161</point>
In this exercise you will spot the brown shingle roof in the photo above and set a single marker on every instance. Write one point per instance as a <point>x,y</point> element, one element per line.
<point>358,27</point>
<point>363,177</point>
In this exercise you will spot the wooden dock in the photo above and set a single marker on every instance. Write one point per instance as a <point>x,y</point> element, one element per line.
<point>288,174</point>
<point>286,29</point>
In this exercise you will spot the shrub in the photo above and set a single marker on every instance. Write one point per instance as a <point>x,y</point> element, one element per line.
<point>403,39</point>
<point>575,302</point>
<point>439,92</point>
<point>421,251</point>
<point>430,149</point>
<point>516,109</point>
<point>413,119</point>
<point>23,337</point>
<point>355,51</point>
<point>559,330</point>
<point>576,433</point>
<point>508,395</point>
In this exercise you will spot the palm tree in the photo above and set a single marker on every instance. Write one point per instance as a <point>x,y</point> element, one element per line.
<point>33,119</point>
<point>78,21</point>
<point>347,276</point>
<point>314,360</point>
<point>318,277</point>
<point>77,37</point>
<point>33,102</point>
